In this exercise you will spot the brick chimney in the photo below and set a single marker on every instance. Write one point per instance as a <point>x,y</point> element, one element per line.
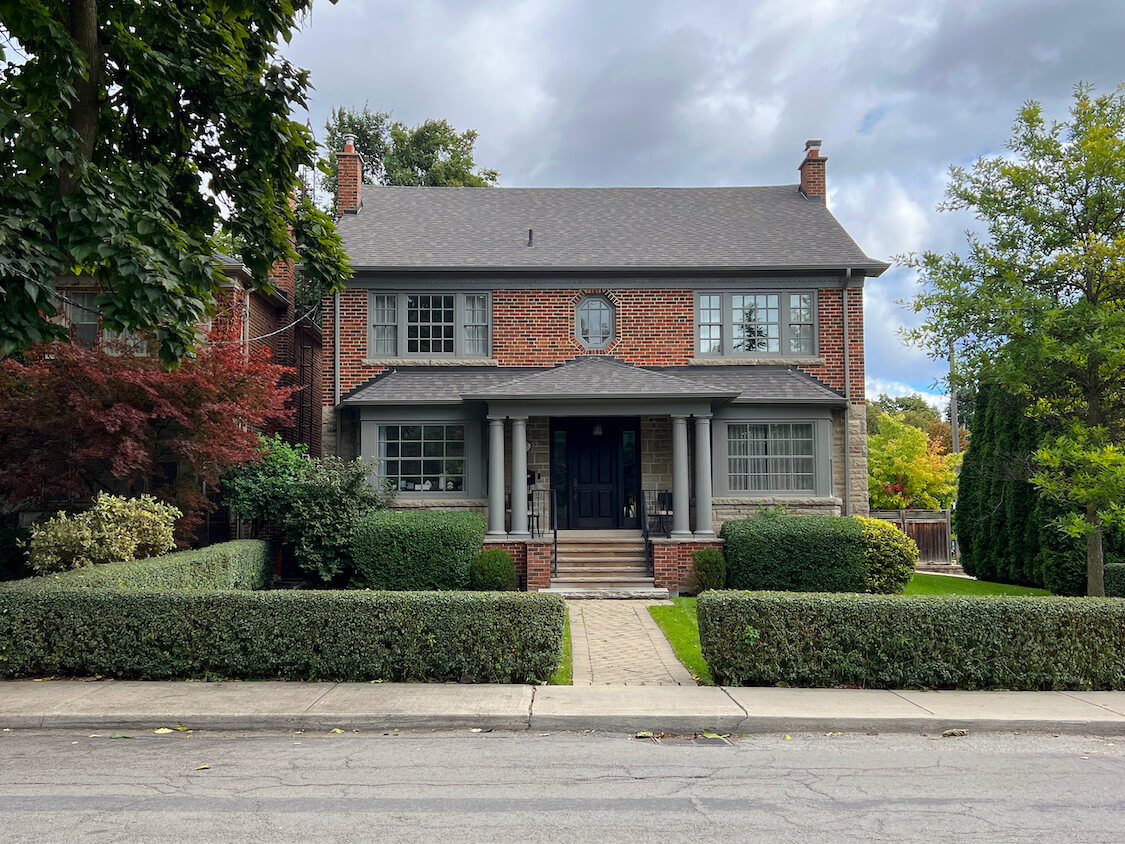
<point>812,172</point>
<point>349,178</point>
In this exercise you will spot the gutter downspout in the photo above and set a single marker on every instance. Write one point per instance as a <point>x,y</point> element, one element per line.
<point>336,368</point>
<point>848,396</point>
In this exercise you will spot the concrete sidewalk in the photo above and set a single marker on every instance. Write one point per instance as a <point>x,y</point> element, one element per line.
<point>116,705</point>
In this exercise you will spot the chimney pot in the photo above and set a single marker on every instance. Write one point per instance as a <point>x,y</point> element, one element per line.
<point>349,143</point>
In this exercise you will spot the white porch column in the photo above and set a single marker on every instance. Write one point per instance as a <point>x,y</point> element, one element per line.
<point>519,476</point>
<point>680,503</point>
<point>703,526</point>
<point>496,477</point>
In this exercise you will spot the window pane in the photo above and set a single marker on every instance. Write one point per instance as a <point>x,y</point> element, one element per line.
<point>710,324</point>
<point>433,457</point>
<point>755,323</point>
<point>770,458</point>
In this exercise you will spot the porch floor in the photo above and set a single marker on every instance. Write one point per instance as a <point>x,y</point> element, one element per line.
<point>594,535</point>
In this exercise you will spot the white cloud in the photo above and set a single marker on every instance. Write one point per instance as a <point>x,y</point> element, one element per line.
<point>894,389</point>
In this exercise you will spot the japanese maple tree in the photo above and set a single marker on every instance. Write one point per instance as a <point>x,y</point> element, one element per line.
<point>75,420</point>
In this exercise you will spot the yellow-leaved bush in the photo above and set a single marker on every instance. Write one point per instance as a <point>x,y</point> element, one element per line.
<point>115,529</point>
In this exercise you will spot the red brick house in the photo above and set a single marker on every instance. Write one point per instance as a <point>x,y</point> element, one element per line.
<point>688,355</point>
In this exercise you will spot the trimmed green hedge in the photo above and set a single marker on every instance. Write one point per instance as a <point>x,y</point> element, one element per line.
<point>1115,580</point>
<point>914,641</point>
<point>493,569</point>
<point>347,636</point>
<point>416,549</point>
<point>795,553</point>
<point>241,564</point>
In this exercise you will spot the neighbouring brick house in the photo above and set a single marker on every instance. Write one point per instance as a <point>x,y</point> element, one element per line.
<point>689,353</point>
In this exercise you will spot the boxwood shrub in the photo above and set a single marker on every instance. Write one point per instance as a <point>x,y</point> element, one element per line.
<point>795,553</point>
<point>416,549</point>
<point>913,641</point>
<point>890,556</point>
<point>493,569</point>
<point>485,637</point>
<point>1115,580</point>
<point>241,564</point>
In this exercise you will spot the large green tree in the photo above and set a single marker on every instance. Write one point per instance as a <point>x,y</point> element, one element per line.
<point>432,154</point>
<point>129,133</point>
<point>1037,303</point>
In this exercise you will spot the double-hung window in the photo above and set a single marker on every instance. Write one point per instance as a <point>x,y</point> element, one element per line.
<point>83,316</point>
<point>770,457</point>
<point>428,325</point>
<point>765,324</point>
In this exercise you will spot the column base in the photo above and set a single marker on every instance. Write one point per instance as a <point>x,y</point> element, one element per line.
<point>704,534</point>
<point>683,534</point>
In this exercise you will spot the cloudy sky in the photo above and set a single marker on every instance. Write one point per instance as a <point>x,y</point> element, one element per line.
<point>629,93</point>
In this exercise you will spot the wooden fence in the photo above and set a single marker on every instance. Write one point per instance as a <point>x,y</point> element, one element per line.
<point>930,529</point>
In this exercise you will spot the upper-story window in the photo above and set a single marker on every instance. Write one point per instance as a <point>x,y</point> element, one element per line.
<point>756,324</point>
<point>429,325</point>
<point>593,317</point>
<point>82,314</point>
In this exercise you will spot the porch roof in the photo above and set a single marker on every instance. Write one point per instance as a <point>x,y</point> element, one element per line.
<point>592,377</point>
<point>599,376</point>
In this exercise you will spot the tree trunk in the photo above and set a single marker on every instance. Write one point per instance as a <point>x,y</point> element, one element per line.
<point>1095,557</point>
<point>83,116</point>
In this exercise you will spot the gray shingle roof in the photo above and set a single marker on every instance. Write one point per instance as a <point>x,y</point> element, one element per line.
<point>592,375</point>
<point>596,376</point>
<point>761,384</point>
<point>597,228</point>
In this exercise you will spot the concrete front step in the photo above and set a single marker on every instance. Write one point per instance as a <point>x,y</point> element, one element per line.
<point>595,571</point>
<point>647,593</point>
<point>626,562</point>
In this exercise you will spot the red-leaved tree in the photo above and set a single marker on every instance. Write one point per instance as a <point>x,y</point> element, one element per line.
<point>76,420</point>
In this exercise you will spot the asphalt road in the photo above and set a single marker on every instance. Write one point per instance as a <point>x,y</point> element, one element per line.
<point>503,786</point>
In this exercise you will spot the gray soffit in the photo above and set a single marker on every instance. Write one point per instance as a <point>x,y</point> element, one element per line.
<point>592,377</point>
<point>598,229</point>
<point>761,384</point>
<point>599,376</point>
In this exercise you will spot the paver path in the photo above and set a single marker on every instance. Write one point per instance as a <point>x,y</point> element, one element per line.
<point>617,643</point>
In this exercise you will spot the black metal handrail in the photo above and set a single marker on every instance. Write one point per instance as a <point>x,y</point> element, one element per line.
<point>644,533</point>
<point>543,507</point>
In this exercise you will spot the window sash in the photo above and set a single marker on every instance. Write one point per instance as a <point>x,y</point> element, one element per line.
<point>756,324</point>
<point>429,325</point>
<point>595,322</point>
<point>422,457</point>
<point>771,457</point>
<point>83,317</point>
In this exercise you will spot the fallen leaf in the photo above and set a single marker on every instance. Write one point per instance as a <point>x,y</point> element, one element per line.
<point>118,735</point>
<point>834,733</point>
<point>203,768</point>
<point>541,735</point>
<point>94,735</point>
<point>180,728</point>
<point>642,735</point>
<point>954,733</point>
<point>873,733</point>
<point>162,730</point>
<point>335,730</point>
<point>74,742</point>
<point>789,738</point>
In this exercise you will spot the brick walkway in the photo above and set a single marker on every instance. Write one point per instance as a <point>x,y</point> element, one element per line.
<point>616,643</point>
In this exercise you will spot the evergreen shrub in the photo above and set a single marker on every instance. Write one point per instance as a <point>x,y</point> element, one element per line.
<point>493,569</point>
<point>1115,580</point>
<point>416,549</point>
<point>795,553</point>
<point>890,556</point>
<point>710,569</point>
<point>241,564</point>
<point>913,641</point>
<point>296,635</point>
<point>115,529</point>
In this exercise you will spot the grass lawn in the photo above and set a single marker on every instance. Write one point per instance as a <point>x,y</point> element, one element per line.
<point>564,676</point>
<point>943,584</point>
<point>681,629</point>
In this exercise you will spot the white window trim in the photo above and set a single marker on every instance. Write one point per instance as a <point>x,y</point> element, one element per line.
<point>727,329</point>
